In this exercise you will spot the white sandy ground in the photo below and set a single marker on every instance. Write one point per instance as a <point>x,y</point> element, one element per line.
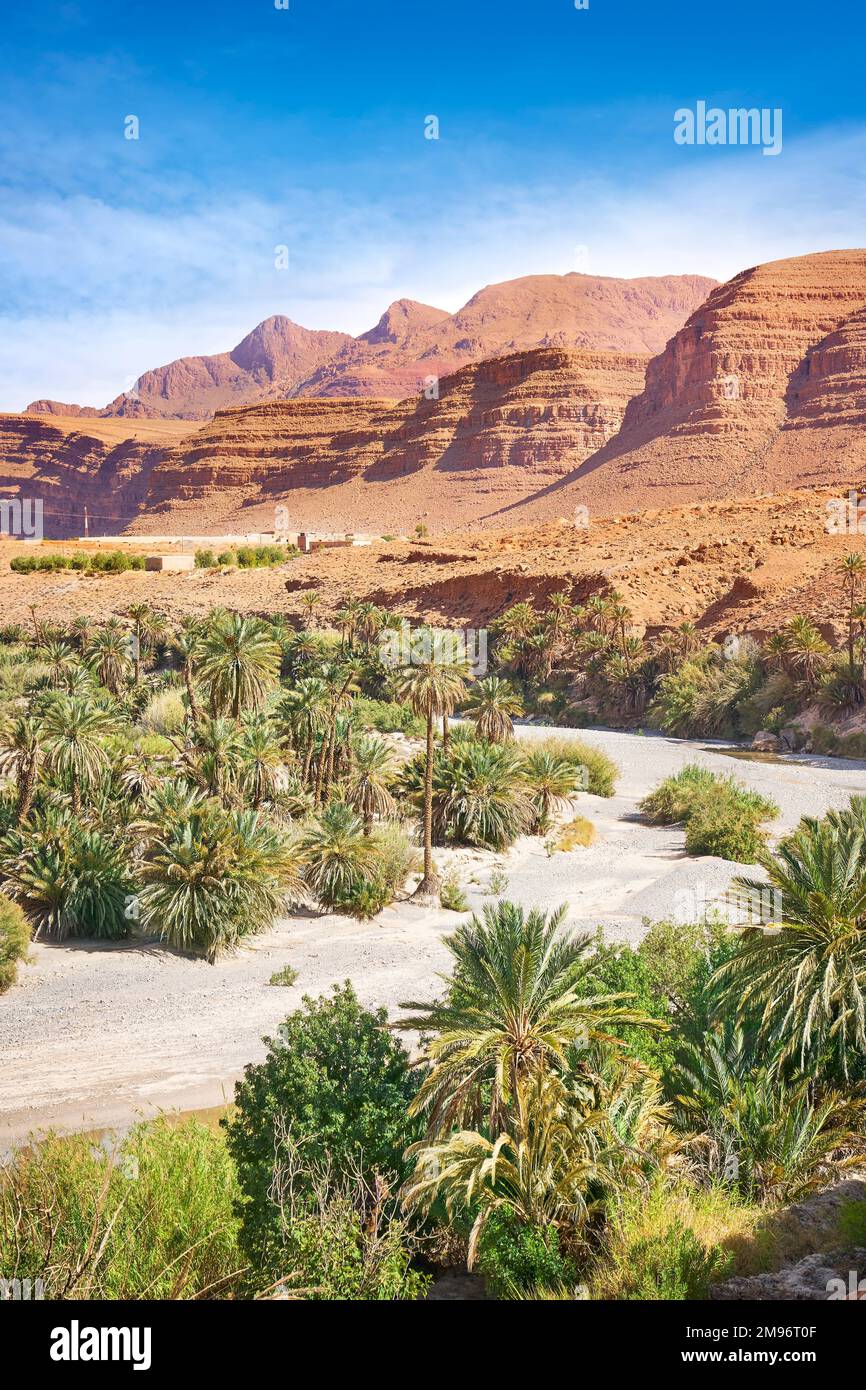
<point>93,1036</point>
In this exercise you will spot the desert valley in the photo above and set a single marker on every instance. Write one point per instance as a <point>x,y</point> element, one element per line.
<point>628,812</point>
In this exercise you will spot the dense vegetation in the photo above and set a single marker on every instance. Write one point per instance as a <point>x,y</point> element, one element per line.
<point>583,1119</point>
<point>588,662</point>
<point>194,783</point>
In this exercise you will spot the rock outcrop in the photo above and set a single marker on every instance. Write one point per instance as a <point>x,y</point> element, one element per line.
<point>70,463</point>
<point>763,389</point>
<point>491,431</point>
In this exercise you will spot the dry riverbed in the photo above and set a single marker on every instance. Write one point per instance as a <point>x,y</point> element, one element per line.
<point>94,1035</point>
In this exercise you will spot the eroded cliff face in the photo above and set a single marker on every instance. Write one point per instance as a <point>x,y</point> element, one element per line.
<point>494,430</point>
<point>762,387</point>
<point>72,463</point>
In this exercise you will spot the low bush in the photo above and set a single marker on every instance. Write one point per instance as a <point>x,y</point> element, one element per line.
<point>451,895</point>
<point>515,1257</point>
<point>577,833</point>
<point>672,800</point>
<point>14,941</point>
<point>672,1243</point>
<point>726,826</point>
<point>721,817</point>
<point>334,1082</point>
<point>387,717</point>
<point>149,1218</point>
<point>600,773</point>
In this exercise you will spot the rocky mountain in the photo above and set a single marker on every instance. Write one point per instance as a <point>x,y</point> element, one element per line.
<point>413,344</point>
<point>70,463</point>
<point>495,429</point>
<point>763,389</point>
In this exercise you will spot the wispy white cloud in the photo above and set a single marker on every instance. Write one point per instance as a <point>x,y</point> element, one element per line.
<point>96,291</point>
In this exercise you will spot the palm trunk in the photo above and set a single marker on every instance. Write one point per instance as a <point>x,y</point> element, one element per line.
<point>25,792</point>
<point>195,712</point>
<point>445,733</point>
<point>76,796</point>
<point>429,883</point>
<point>308,757</point>
<point>320,772</point>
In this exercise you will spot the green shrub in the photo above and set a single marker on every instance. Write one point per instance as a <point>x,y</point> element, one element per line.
<point>339,1245</point>
<point>852,1222</point>
<point>600,771</point>
<point>150,1218</point>
<point>205,559</point>
<point>451,895</point>
<point>672,800</point>
<point>824,740</point>
<point>671,1266</point>
<point>226,557</point>
<point>164,713</point>
<point>513,1256</point>
<point>386,717</point>
<point>726,826</point>
<point>14,941</point>
<point>721,817</point>
<point>287,976</point>
<point>334,1081</point>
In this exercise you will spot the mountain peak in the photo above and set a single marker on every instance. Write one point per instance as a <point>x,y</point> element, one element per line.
<point>401,318</point>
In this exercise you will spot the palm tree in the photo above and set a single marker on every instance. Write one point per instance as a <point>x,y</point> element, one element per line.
<point>74,733</point>
<point>309,600</point>
<point>552,782</point>
<point>431,689</point>
<point>347,620</point>
<point>304,710</point>
<point>772,1142</point>
<point>807,650</point>
<point>851,570</point>
<point>805,981</point>
<point>109,653</point>
<point>492,704</point>
<point>261,762</point>
<point>188,645</point>
<point>689,639</point>
<point>61,661</point>
<point>214,758</point>
<point>337,854</point>
<point>522,996</point>
<point>147,627</point>
<point>21,754</point>
<point>341,682</point>
<point>240,663</point>
<point>368,789</point>
<point>480,795</point>
<point>210,877</point>
<point>368,623</point>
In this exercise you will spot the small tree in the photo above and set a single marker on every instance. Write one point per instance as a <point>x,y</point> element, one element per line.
<point>336,1083</point>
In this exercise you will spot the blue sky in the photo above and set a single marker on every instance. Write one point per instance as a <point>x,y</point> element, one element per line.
<point>262,127</point>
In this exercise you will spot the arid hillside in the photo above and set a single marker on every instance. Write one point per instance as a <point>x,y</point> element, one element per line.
<point>496,429</point>
<point>68,464</point>
<point>737,566</point>
<point>763,389</point>
<point>413,342</point>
